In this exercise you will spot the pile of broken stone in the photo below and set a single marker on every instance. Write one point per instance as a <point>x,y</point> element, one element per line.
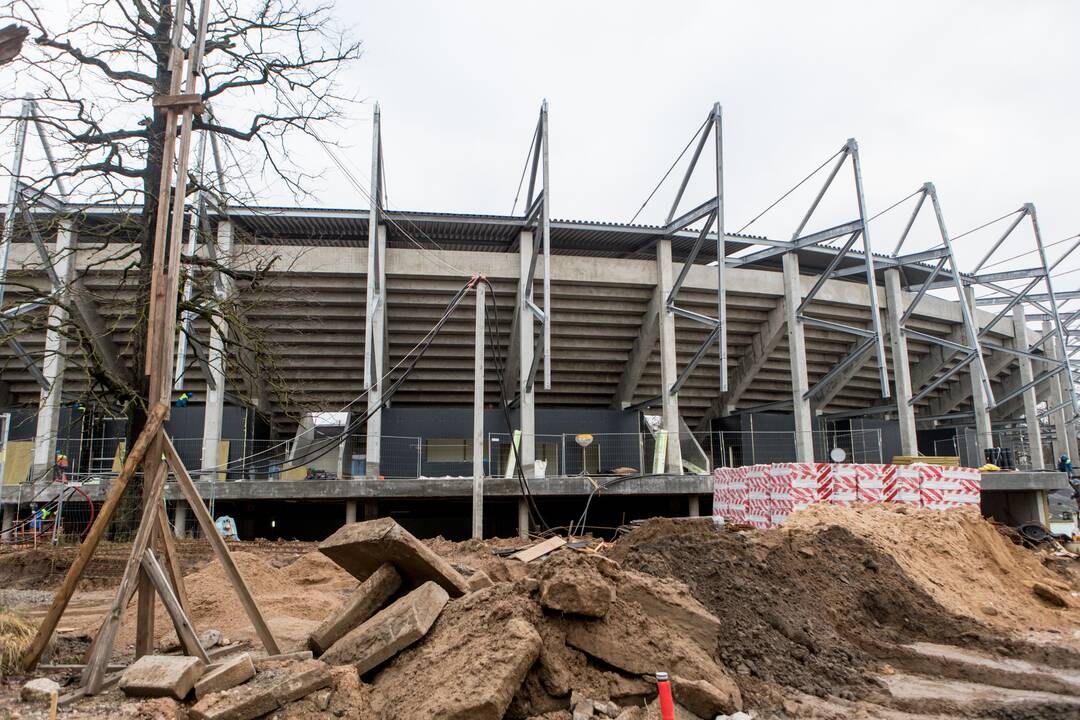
<point>567,635</point>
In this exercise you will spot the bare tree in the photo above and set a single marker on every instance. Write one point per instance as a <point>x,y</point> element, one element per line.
<point>271,75</point>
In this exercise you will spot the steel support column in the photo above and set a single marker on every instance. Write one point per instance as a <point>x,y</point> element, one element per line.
<point>375,348</point>
<point>800,384</point>
<point>905,411</point>
<point>980,404</point>
<point>1064,438</point>
<point>55,360</point>
<point>1022,341</point>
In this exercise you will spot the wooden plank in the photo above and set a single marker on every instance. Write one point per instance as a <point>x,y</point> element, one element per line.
<point>187,487</point>
<point>86,550</point>
<point>172,562</point>
<point>144,623</point>
<point>100,653</point>
<point>180,102</point>
<point>539,549</point>
<point>184,629</point>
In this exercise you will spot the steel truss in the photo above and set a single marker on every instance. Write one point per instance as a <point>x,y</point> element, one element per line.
<point>538,220</point>
<point>712,211</point>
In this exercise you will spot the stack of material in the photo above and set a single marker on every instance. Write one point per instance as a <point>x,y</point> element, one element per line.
<point>765,495</point>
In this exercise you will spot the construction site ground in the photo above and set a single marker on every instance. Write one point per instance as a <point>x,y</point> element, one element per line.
<point>864,612</point>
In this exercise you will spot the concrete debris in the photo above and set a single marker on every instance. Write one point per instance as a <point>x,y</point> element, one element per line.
<point>671,599</point>
<point>361,548</point>
<point>243,702</point>
<point>211,638</point>
<point>229,674</point>
<point>479,580</point>
<point>302,679</point>
<point>391,630</point>
<point>39,690</point>
<point>573,583</point>
<point>162,676</point>
<point>361,605</point>
<point>701,697</point>
<point>267,662</point>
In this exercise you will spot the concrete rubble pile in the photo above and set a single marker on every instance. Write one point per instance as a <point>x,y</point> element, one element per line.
<point>568,636</point>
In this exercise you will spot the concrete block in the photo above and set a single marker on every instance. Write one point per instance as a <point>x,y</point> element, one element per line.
<point>390,630</point>
<point>271,661</point>
<point>229,674</point>
<point>302,679</point>
<point>479,580</point>
<point>243,702</point>
<point>361,548</point>
<point>361,605</point>
<point>39,690</point>
<point>162,676</point>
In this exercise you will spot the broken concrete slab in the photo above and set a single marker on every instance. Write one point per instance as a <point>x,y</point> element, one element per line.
<point>162,676</point>
<point>479,580</point>
<point>271,661</point>
<point>39,690</point>
<point>229,674</point>
<point>302,679</point>
<point>572,583</point>
<point>390,630</point>
<point>243,702</point>
<point>671,599</point>
<point>361,548</point>
<point>700,697</point>
<point>371,595</point>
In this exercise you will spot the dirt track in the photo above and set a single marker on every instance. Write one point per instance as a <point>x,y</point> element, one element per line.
<point>871,612</point>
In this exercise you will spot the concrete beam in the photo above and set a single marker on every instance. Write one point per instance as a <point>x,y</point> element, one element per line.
<point>668,359</point>
<point>752,361</point>
<point>525,351</point>
<point>54,362</point>
<point>838,382</point>
<point>217,357</point>
<point>905,412</point>
<point>800,384</point>
<point>979,402</point>
<point>1022,342</point>
<point>641,353</point>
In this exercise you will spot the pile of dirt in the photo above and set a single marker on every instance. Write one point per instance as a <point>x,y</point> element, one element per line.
<point>958,558</point>
<point>801,609</point>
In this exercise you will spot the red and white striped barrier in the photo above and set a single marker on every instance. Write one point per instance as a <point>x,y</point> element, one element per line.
<point>765,495</point>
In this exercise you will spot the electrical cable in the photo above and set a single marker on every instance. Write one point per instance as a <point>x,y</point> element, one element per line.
<point>986,225</point>
<point>666,174</point>
<point>525,167</point>
<point>793,189</point>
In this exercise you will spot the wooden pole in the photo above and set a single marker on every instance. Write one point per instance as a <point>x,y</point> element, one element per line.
<point>185,632</point>
<point>221,550</point>
<point>134,458</point>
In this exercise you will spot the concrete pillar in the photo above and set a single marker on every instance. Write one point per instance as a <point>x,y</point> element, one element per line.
<point>984,435</point>
<point>350,512</point>
<point>478,414</point>
<point>215,360</point>
<point>800,383</point>
<point>669,369</point>
<point>376,354</point>
<point>905,412</point>
<point>1022,342</point>
<point>523,519</point>
<point>55,361</point>
<point>527,404</point>
<point>180,519</point>
<point>8,512</point>
<point>1064,439</point>
<point>694,506</point>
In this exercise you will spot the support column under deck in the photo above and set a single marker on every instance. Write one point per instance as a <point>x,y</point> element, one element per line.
<point>526,350</point>
<point>905,411</point>
<point>1022,342</point>
<point>478,414</point>
<point>984,435</point>
<point>180,519</point>
<point>215,360</point>
<point>55,360</point>
<point>350,512</point>
<point>668,358</point>
<point>800,383</point>
<point>376,354</point>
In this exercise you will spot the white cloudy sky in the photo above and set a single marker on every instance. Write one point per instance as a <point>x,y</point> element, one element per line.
<point>979,97</point>
<point>975,96</point>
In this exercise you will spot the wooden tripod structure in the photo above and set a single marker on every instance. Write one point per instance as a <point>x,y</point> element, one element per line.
<point>153,449</point>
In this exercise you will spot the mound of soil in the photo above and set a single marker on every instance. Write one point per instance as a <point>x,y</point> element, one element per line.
<point>958,558</point>
<point>799,608</point>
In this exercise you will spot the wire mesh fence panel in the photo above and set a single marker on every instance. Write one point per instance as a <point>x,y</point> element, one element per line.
<point>401,457</point>
<point>503,456</point>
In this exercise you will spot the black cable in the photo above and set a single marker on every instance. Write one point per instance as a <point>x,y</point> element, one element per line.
<point>665,177</point>
<point>793,189</point>
<point>494,341</point>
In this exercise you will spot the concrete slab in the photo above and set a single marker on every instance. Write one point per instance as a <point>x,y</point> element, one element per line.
<point>231,673</point>
<point>301,680</point>
<point>391,630</point>
<point>1006,481</point>
<point>243,702</point>
<point>361,548</point>
<point>162,676</point>
<point>360,605</point>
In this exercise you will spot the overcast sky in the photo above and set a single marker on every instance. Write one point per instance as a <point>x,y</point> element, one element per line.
<point>979,97</point>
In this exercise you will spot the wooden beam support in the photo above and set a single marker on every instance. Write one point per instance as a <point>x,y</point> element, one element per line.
<point>89,544</point>
<point>184,629</point>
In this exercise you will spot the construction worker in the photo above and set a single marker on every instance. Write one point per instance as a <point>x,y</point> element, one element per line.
<point>1065,465</point>
<point>182,401</point>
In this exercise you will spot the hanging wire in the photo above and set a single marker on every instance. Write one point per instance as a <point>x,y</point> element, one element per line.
<point>666,174</point>
<point>793,189</point>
